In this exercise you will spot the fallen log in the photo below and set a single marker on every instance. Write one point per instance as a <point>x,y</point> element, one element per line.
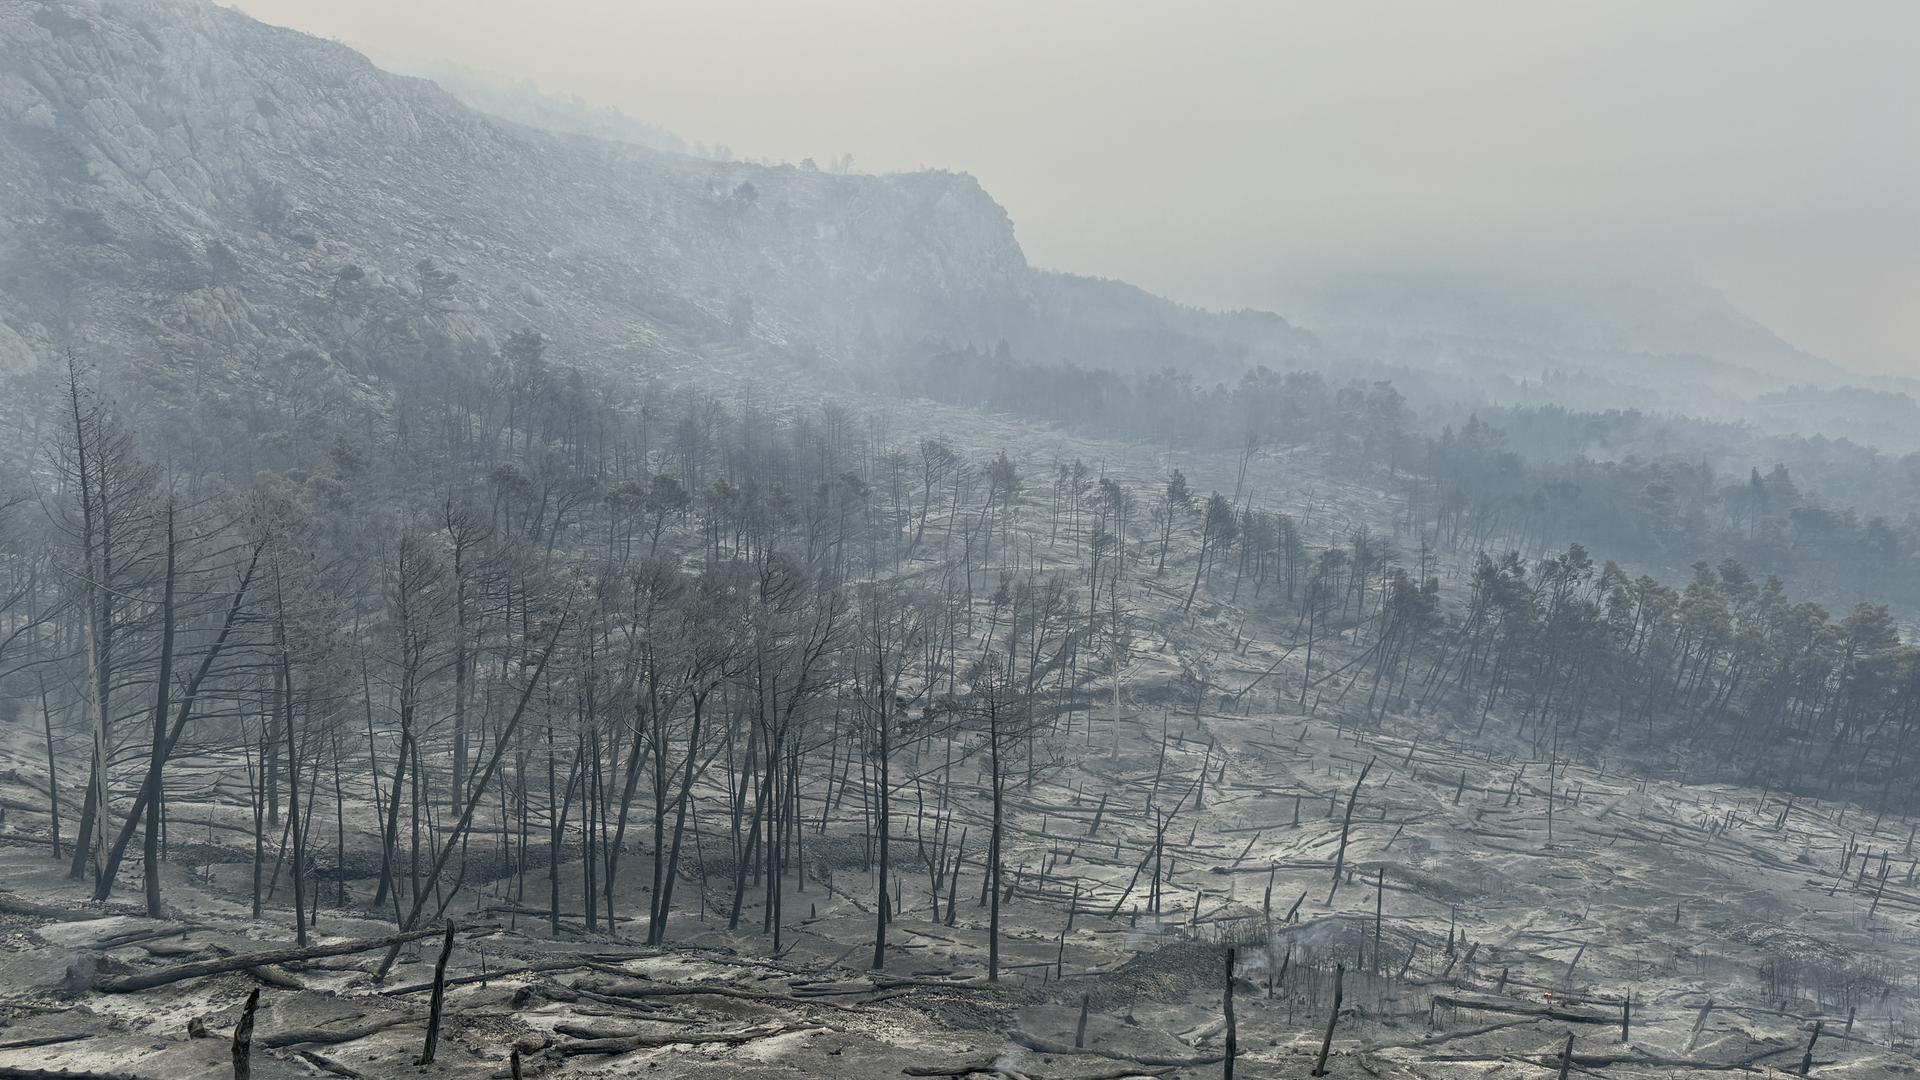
<point>637,1007</point>
<point>1601,1061</point>
<point>624,1044</point>
<point>12,905</point>
<point>18,1073</point>
<point>994,1068</point>
<point>147,980</point>
<point>1511,1009</point>
<point>330,1036</point>
<point>939,984</point>
<point>45,1040</point>
<point>589,1032</point>
<point>547,966</point>
<point>174,950</point>
<point>146,933</point>
<point>1048,1046</point>
<point>275,977</point>
<point>637,989</point>
<point>1453,1036</point>
<point>329,1065</point>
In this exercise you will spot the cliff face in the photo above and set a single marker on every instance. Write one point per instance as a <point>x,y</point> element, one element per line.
<point>187,189</point>
<point>181,183</point>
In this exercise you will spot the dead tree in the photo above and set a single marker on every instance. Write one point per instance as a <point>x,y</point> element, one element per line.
<point>113,492</point>
<point>1233,1031</point>
<point>439,998</point>
<point>891,628</point>
<point>283,677</point>
<point>243,1039</point>
<point>415,602</point>
<point>459,830</point>
<point>1333,1017</point>
<point>1346,826</point>
<point>165,742</point>
<point>163,685</point>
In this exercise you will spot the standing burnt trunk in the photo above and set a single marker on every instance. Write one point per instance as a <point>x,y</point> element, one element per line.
<point>439,997</point>
<point>243,1039</point>
<point>1333,1018</point>
<point>163,684</point>
<point>1233,1031</point>
<point>1806,1063</point>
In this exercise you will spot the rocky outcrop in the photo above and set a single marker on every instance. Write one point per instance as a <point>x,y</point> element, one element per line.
<point>185,185</point>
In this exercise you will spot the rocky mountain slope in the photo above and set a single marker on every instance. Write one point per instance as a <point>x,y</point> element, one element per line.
<point>186,186</point>
<point>1610,338</point>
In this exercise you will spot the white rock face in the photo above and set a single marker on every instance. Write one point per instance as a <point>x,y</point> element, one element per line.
<point>178,179</point>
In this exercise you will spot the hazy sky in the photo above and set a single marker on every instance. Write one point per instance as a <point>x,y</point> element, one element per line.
<point>1210,150</point>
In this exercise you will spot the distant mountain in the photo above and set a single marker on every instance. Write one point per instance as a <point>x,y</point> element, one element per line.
<point>187,188</point>
<point>1662,333</point>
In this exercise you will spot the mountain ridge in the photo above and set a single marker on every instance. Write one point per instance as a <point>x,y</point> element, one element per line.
<point>178,178</point>
<point>1623,317</point>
